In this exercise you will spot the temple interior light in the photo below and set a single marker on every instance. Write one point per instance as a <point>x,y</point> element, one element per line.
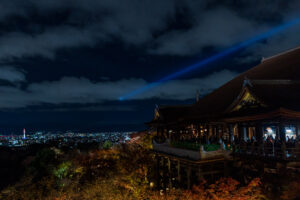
<point>288,131</point>
<point>269,130</point>
<point>270,133</point>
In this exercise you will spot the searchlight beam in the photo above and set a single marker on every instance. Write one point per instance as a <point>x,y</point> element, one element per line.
<point>211,59</point>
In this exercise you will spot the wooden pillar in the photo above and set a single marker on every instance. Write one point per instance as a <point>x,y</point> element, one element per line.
<point>203,134</point>
<point>226,169</point>
<point>219,129</point>
<point>158,177</point>
<point>230,129</point>
<point>164,173</point>
<point>221,132</point>
<point>240,132</point>
<point>282,133</point>
<point>200,176</point>
<point>210,134</point>
<point>198,133</point>
<point>161,134</point>
<point>170,173</point>
<point>188,174</point>
<point>215,131</point>
<point>165,133</point>
<point>283,140</point>
<point>177,134</point>
<point>259,133</point>
<point>241,138</point>
<point>178,172</point>
<point>245,133</point>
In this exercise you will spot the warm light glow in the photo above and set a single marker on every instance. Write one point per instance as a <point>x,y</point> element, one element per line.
<point>269,130</point>
<point>270,133</point>
<point>151,184</point>
<point>288,131</point>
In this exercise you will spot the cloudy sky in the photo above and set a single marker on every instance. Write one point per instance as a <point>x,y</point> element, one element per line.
<point>65,63</point>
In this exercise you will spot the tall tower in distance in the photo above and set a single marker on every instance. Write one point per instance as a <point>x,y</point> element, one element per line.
<point>197,96</point>
<point>24,133</point>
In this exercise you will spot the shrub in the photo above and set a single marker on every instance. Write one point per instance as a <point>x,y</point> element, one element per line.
<point>107,144</point>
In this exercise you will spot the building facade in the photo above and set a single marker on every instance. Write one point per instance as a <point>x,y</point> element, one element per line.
<point>256,114</point>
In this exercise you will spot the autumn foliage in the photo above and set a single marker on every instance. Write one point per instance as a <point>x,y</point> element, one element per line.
<point>223,189</point>
<point>122,172</point>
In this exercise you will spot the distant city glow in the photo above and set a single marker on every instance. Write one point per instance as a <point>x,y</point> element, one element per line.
<point>211,59</point>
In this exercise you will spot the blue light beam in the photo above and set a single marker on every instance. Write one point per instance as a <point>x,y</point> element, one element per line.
<point>211,59</point>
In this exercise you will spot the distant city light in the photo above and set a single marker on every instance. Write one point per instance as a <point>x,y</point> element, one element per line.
<point>211,59</point>
<point>64,138</point>
<point>24,133</point>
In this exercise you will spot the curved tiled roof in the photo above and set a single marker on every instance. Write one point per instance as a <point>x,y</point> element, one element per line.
<point>276,81</point>
<point>281,67</point>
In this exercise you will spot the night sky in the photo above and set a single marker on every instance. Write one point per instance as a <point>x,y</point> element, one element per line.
<point>65,63</point>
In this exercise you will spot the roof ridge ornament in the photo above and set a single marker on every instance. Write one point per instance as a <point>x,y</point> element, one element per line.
<point>156,112</point>
<point>247,82</point>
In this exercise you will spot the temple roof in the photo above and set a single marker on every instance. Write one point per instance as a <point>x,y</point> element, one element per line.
<point>275,82</point>
<point>279,95</point>
<point>281,67</point>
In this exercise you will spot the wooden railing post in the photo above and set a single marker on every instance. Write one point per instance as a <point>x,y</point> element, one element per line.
<point>170,173</point>
<point>178,173</point>
<point>283,149</point>
<point>189,170</point>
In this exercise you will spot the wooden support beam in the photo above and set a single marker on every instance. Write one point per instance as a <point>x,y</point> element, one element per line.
<point>200,175</point>
<point>178,172</point>
<point>230,129</point>
<point>158,177</point>
<point>170,173</point>
<point>282,133</point>
<point>164,173</point>
<point>188,174</point>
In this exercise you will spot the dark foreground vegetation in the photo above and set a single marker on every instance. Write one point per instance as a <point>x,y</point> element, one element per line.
<point>124,171</point>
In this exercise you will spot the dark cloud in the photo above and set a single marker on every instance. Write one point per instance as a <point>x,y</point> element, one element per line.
<point>217,28</point>
<point>43,27</point>
<point>12,74</point>
<point>70,90</point>
<point>18,45</point>
<point>86,108</point>
<point>145,23</point>
<point>88,23</point>
<point>230,23</point>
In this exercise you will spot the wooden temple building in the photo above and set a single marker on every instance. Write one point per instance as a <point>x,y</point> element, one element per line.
<point>255,115</point>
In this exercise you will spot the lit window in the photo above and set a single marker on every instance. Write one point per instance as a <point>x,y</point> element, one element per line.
<point>290,132</point>
<point>270,132</point>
